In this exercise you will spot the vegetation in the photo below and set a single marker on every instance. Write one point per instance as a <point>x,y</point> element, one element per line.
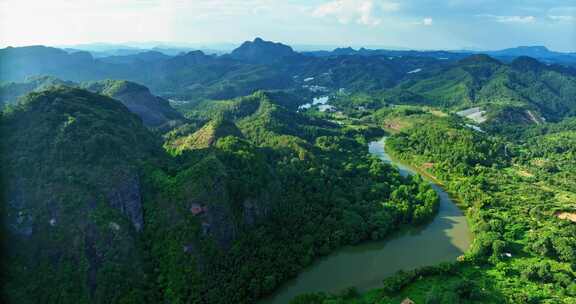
<point>70,163</point>
<point>297,178</point>
<point>225,205</point>
<point>482,81</point>
<point>514,193</point>
<point>231,215</point>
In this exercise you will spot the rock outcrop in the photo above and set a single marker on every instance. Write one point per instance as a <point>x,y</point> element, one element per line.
<point>127,199</point>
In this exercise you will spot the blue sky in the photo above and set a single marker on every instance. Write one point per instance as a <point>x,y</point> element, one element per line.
<point>419,24</point>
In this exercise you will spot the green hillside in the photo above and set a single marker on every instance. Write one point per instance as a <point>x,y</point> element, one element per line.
<point>525,84</point>
<point>111,195</point>
<point>203,138</point>
<point>519,198</point>
<point>103,204</point>
<point>71,164</point>
<point>154,111</point>
<point>11,91</point>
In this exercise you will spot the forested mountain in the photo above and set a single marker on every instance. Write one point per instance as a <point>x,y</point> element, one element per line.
<point>71,169</point>
<point>523,85</point>
<point>113,196</point>
<point>154,111</point>
<point>11,91</point>
<point>261,64</point>
<point>141,57</point>
<point>260,51</point>
<point>195,75</point>
<point>21,62</point>
<point>538,52</point>
<point>442,55</point>
<point>100,213</point>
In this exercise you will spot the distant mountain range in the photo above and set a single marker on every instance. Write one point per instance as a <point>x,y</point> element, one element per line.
<point>102,50</point>
<point>521,88</point>
<point>117,49</point>
<point>115,197</point>
<point>534,78</point>
<point>538,52</point>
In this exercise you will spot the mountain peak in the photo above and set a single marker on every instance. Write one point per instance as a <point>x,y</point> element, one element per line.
<point>196,53</point>
<point>344,51</point>
<point>478,59</point>
<point>534,48</point>
<point>262,51</point>
<point>536,51</point>
<point>525,63</point>
<point>205,137</point>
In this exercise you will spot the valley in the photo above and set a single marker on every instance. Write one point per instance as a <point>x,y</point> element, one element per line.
<point>261,176</point>
<point>364,266</point>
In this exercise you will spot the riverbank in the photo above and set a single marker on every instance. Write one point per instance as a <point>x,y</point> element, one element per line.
<point>428,175</point>
<point>364,266</point>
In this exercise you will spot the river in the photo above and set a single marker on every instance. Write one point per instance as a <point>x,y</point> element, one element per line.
<point>364,266</point>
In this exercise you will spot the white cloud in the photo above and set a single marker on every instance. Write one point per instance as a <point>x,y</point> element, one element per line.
<point>510,19</point>
<point>428,21</point>
<point>24,22</point>
<point>365,12</point>
<point>516,19</point>
<point>562,18</point>
<point>562,14</point>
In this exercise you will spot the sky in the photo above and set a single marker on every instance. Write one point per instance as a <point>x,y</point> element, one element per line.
<point>415,24</point>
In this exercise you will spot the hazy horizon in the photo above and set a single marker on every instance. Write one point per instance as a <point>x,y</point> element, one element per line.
<point>410,24</point>
<point>229,46</point>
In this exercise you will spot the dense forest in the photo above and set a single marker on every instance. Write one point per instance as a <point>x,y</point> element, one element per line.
<point>225,177</point>
<point>227,213</point>
<point>517,195</point>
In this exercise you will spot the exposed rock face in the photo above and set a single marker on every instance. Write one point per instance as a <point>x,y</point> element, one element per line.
<point>93,256</point>
<point>20,221</point>
<point>220,223</point>
<point>254,210</point>
<point>222,226</point>
<point>126,198</point>
<point>221,217</point>
<point>250,212</point>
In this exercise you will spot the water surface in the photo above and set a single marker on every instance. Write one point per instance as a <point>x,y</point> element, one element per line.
<point>364,266</point>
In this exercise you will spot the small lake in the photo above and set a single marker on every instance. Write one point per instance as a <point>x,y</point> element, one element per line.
<point>364,266</point>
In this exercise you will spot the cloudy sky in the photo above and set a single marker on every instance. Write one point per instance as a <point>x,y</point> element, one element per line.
<point>420,24</point>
